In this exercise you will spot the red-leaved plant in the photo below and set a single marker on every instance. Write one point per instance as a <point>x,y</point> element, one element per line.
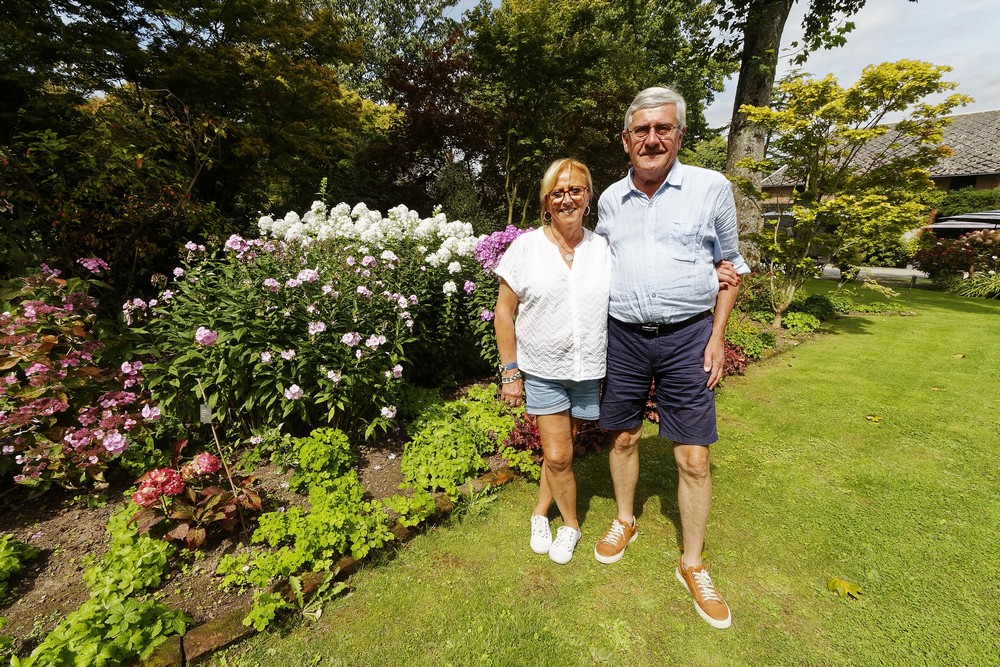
<point>193,499</point>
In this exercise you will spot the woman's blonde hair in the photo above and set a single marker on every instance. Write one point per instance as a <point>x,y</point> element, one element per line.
<point>552,175</point>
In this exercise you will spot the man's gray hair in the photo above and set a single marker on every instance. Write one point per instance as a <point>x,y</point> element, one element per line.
<point>657,96</point>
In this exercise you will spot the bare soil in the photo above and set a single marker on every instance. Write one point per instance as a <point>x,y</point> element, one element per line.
<point>69,529</point>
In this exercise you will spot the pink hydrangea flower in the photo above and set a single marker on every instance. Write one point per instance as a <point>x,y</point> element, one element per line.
<point>115,442</point>
<point>150,413</point>
<point>206,464</point>
<point>93,264</point>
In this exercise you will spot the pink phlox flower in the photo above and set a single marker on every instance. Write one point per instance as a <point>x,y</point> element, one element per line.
<point>486,315</point>
<point>316,327</point>
<point>288,355</point>
<point>414,300</point>
<point>294,392</point>
<point>367,274</point>
<point>178,272</point>
<point>308,275</point>
<point>190,245</point>
<point>293,282</point>
<point>265,357</point>
<point>390,256</point>
<point>397,371</point>
<point>350,260</point>
<point>272,284</point>
<point>328,290</point>
<point>470,287</point>
<point>374,341</point>
<point>334,376</point>
<point>364,291</point>
<point>205,337</point>
<point>351,338</point>
<point>368,261</point>
<point>236,243</point>
<point>389,411</point>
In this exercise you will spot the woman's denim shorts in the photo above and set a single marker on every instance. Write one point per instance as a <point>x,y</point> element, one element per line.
<point>547,397</point>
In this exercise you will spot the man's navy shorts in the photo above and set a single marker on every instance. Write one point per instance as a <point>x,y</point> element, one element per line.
<point>675,359</point>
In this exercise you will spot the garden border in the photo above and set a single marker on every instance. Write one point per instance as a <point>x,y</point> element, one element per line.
<point>201,642</point>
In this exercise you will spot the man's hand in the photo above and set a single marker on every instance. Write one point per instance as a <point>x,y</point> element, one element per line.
<point>726,273</point>
<point>715,360</point>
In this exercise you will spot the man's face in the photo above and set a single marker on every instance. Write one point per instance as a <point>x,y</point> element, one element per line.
<point>654,155</point>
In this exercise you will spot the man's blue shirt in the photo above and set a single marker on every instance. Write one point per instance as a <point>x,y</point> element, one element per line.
<point>664,249</point>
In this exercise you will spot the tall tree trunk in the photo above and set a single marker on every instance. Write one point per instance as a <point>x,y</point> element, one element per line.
<point>761,43</point>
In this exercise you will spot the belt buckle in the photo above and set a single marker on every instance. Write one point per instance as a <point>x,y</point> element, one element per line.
<point>650,328</point>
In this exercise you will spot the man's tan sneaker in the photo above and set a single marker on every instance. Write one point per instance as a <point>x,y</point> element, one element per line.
<point>611,548</point>
<point>707,601</point>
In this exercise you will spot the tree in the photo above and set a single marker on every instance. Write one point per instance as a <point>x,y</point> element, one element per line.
<point>553,78</point>
<point>857,180</point>
<point>754,29</point>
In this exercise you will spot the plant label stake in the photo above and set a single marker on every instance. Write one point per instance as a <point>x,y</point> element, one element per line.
<point>205,414</point>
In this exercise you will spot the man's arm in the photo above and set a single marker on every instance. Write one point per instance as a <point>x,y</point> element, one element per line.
<point>715,351</point>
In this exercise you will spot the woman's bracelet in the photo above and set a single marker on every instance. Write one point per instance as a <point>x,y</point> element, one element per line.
<point>508,367</point>
<point>508,380</point>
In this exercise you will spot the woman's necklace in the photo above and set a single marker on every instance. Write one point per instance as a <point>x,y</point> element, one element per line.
<point>570,254</point>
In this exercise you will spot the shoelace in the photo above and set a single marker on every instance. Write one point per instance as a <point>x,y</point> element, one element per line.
<point>705,586</point>
<point>615,533</point>
<point>564,538</point>
<point>538,529</point>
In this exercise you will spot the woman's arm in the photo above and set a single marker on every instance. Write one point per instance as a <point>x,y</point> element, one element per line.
<point>503,323</point>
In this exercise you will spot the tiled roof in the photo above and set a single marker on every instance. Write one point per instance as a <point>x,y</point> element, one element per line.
<point>975,138</point>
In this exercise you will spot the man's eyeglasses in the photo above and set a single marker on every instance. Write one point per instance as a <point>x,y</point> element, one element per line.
<point>576,192</point>
<point>662,131</point>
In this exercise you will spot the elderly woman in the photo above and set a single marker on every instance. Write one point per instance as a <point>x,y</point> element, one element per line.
<point>556,281</point>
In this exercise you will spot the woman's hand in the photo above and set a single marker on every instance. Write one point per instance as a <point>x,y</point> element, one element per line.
<point>511,393</point>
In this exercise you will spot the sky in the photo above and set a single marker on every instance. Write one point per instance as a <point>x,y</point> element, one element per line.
<point>964,34</point>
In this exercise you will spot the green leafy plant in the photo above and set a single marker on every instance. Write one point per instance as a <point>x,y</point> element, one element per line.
<point>447,443</point>
<point>818,305</point>
<point>411,509</point>
<point>799,322</point>
<point>13,556</point>
<point>982,285</point>
<point>751,339</point>
<point>121,619</point>
<point>320,458</point>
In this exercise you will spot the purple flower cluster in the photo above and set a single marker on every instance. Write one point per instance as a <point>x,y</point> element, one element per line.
<point>491,248</point>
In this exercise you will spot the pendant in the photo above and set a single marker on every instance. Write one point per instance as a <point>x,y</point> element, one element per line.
<point>569,257</point>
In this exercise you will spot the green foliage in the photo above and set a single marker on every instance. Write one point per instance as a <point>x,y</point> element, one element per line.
<point>858,187</point>
<point>13,556</point>
<point>322,457</point>
<point>966,255</point>
<point>264,609</point>
<point>969,200</point>
<point>985,285</point>
<point>750,338</point>
<point>523,460</point>
<point>411,510</point>
<point>414,399</point>
<point>553,78</point>
<point>339,520</point>
<point>121,619</point>
<point>447,443</point>
<point>800,322</point>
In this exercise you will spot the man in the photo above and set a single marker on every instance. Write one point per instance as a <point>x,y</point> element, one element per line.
<point>667,225</point>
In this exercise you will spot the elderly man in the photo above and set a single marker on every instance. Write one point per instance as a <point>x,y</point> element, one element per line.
<point>667,225</point>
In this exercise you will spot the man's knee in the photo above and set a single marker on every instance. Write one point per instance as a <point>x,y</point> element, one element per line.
<point>693,462</point>
<point>626,442</point>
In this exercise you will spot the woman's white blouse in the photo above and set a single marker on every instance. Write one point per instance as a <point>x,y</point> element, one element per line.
<point>562,317</point>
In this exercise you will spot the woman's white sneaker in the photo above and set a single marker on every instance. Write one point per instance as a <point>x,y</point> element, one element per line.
<point>562,547</point>
<point>541,534</point>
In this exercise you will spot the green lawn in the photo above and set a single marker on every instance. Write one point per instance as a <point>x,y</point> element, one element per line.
<point>807,487</point>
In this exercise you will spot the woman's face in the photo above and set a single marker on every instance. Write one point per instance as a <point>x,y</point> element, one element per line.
<point>569,198</point>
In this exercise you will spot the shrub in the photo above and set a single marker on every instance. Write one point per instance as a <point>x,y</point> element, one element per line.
<point>321,457</point>
<point>736,360</point>
<point>969,200</point>
<point>749,338</point>
<point>818,305</point>
<point>971,253</point>
<point>799,322</point>
<point>68,403</point>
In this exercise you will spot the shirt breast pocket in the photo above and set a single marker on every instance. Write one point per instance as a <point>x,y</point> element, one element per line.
<point>684,237</point>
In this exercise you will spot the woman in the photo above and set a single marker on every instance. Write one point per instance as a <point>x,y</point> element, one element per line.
<point>556,281</point>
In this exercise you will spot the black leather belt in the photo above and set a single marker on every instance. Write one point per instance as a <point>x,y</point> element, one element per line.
<point>661,329</point>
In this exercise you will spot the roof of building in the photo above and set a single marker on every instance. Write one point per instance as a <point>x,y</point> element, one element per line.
<point>974,138</point>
